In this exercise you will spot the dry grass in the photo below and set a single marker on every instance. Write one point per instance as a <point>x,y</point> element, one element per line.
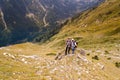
<point>36,65</point>
<point>96,34</point>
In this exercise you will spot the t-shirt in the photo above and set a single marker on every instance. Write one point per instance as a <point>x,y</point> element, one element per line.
<point>73,44</point>
<point>68,43</point>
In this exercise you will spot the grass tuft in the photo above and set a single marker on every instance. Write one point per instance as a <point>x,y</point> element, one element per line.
<point>106,52</point>
<point>109,58</point>
<point>51,54</point>
<point>117,64</point>
<point>95,57</point>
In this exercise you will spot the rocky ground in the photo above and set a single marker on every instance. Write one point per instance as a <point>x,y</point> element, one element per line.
<point>79,66</point>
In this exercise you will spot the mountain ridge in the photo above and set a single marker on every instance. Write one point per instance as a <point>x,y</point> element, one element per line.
<point>97,34</point>
<point>23,20</point>
<point>100,24</point>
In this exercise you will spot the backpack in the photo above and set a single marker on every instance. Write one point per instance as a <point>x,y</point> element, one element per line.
<point>76,43</point>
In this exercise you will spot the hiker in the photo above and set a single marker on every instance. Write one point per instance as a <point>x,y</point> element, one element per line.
<point>73,45</point>
<point>68,46</point>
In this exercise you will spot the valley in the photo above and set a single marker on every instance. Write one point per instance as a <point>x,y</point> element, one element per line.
<point>23,20</point>
<point>97,56</point>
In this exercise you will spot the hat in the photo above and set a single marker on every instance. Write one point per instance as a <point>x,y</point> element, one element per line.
<point>72,39</point>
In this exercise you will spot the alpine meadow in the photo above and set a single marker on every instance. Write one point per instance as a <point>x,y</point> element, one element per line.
<point>33,39</point>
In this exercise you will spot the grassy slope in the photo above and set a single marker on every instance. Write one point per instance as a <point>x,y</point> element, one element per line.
<point>96,30</point>
<point>97,26</point>
<point>43,67</point>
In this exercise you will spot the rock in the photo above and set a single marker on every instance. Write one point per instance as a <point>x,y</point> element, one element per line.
<point>9,55</point>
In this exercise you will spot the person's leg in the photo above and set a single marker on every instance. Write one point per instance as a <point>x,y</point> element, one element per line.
<point>69,50</point>
<point>73,51</point>
<point>66,50</point>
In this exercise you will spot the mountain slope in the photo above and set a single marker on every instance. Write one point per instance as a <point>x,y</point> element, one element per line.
<point>32,61</point>
<point>15,25</point>
<point>98,38</point>
<point>99,25</point>
<point>27,20</point>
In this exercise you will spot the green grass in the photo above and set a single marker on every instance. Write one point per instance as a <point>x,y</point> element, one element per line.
<point>102,25</point>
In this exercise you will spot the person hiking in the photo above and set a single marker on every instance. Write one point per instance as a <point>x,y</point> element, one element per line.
<point>73,45</point>
<point>68,46</point>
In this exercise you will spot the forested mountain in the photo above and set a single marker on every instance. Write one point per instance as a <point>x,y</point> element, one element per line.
<point>22,20</point>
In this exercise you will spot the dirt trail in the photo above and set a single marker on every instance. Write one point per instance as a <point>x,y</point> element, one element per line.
<point>46,13</point>
<point>65,67</point>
